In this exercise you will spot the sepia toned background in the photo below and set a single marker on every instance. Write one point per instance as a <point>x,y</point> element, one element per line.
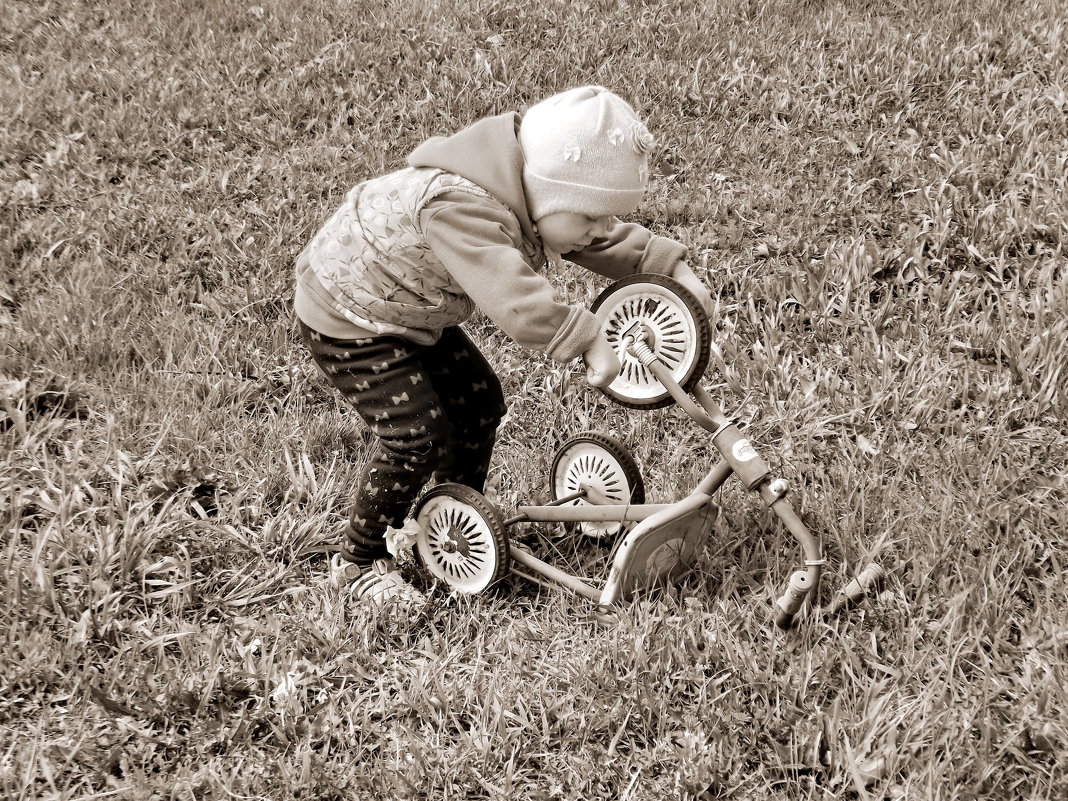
<point>877,197</point>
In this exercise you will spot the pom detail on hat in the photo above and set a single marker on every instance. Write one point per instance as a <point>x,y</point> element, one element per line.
<point>586,151</point>
<point>641,139</point>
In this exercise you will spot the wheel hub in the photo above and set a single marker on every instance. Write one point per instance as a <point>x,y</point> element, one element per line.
<point>638,331</point>
<point>455,542</point>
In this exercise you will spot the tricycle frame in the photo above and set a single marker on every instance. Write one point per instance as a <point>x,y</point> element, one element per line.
<point>738,458</point>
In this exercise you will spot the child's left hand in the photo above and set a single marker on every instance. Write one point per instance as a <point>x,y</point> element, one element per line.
<point>685,275</point>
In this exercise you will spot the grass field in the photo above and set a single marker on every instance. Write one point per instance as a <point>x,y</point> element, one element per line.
<point>877,194</point>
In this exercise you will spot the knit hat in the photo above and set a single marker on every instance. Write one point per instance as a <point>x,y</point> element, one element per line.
<point>585,151</point>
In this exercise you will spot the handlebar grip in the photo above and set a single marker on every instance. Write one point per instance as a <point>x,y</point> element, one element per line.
<point>604,615</point>
<point>855,590</point>
<point>788,605</point>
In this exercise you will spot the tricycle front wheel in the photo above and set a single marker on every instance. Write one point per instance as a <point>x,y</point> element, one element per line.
<point>672,324</point>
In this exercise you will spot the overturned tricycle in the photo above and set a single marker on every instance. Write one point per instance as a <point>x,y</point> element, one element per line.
<point>662,338</point>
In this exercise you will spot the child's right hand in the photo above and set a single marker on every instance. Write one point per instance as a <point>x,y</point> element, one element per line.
<point>602,364</point>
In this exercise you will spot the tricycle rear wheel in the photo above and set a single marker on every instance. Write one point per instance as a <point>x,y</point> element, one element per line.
<point>461,538</point>
<point>601,465</point>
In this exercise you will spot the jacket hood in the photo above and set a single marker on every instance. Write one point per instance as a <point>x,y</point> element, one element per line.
<point>488,154</point>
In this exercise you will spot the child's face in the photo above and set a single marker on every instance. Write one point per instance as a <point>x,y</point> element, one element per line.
<point>565,231</point>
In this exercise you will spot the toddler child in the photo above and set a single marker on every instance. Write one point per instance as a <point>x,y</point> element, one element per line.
<point>382,289</point>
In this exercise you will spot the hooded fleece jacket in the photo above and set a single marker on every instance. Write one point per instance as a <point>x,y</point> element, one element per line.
<point>461,236</point>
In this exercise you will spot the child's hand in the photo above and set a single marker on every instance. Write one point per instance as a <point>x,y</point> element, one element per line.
<point>602,364</point>
<point>685,275</point>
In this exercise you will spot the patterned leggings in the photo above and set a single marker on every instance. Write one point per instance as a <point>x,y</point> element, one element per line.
<point>435,410</point>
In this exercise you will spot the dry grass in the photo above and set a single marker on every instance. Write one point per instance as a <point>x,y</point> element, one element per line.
<point>877,195</point>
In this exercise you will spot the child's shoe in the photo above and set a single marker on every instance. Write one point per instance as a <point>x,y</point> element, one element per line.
<point>378,584</point>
